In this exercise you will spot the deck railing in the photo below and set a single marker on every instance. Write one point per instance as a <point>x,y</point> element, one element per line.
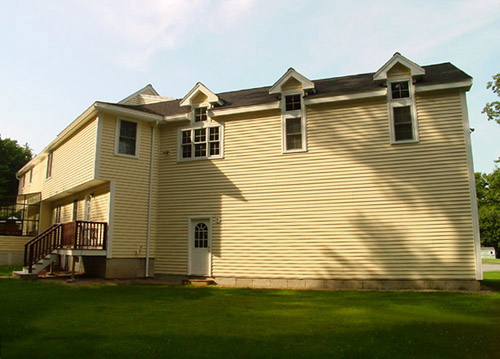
<point>70,235</point>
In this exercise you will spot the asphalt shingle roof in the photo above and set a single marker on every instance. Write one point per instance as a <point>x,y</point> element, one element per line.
<point>434,74</point>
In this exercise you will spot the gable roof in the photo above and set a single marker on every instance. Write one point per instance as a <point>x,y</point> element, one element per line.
<point>397,58</point>
<point>444,73</point>
<point>291,73</point>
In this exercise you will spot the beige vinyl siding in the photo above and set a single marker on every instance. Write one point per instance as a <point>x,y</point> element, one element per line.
<point>292,85</point>
<point>13,243</point>
<point>131,177</point>
<point>353,206</point>
<point>73,162</point>
<point>37,179</point>
<point>99,208</point>
<point>398,70</point>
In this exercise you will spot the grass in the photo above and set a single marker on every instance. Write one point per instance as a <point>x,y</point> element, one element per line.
<point>42,319</point>
<point>7,270</point>
<point>493,261</point>
<point>491,280</point>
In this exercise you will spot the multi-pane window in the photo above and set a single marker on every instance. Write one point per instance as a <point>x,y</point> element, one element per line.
<point>293,128</point>
<point>202,142</point>
<point>400,90</point>
<point>402,112</point>
<point>201,236</point>
<point>200,114</point>
<point>48,172</point>
<point>127,138</point>
<point>293,120</point>
<point>292,103</point>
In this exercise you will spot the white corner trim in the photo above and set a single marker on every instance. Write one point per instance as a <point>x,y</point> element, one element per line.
<point>111,217</point>
<point>415,69</point>
<point>199,87</point>
<point>98,141</point>
<point>355,96</point>
<point>244,109</point>
<point>306,83</point>
<point>454,85</point>
<point>472,188</point>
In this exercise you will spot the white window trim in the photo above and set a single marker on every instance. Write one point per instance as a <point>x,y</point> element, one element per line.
<point>293,114</point>
<point>137,139</point>
<point>402,102</point>
<point>198,125</point>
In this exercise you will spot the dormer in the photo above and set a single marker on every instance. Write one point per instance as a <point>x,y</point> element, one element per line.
<point>399,75</point>
<point>292,87</point>
<point>399,66</point>
<point>144,96</point>
<point>200,99</point>
<point>292,81</point>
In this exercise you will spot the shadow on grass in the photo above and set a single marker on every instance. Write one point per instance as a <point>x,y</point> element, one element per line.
<point>128,321</point>
<point>491,281</point>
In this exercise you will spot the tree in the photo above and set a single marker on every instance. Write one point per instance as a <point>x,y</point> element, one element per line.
<point>492,109</point>
<point>488,201</point>
<point>12,157</point>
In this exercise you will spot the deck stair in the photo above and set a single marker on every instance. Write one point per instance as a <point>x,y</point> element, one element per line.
<point>36,268</point>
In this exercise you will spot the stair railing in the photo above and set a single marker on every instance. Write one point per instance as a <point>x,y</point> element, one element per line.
<point>42,245</point>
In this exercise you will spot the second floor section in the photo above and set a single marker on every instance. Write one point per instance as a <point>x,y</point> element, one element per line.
<point>402,117</point>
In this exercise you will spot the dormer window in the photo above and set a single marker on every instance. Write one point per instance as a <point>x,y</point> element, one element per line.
<point>200,114</point>
<point>402,112</point>
<point>400,90</point>
<point>293,102</point>
<point>293,123</point>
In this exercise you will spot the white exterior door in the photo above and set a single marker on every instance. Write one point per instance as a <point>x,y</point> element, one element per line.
<point>200,243</point>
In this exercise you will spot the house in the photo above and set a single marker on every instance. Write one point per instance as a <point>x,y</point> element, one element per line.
<point>362,181</point>
<point>488,252</point>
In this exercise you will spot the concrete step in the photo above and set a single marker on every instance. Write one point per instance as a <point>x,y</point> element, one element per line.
<point>199,282</point>
<point>24,275</point>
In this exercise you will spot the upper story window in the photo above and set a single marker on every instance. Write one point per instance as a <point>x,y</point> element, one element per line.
<point>200,114</point>
<point>31,175</point>
<point>23,180</point>
<point>293,124</point>
<point>127,138</point>
<point>48,172</point>
<point>293,102</point>
<point>200,142</point>
<point>402,112</point>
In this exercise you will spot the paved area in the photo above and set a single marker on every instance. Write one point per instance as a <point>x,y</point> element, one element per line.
<point>490,267</point>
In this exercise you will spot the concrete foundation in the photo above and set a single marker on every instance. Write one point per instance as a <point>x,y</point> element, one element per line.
<point>9,258</point>
<point>338,284</point>
<point>117,268</point>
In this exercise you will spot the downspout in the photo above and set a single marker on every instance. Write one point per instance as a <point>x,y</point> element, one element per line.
<point>150,197</point>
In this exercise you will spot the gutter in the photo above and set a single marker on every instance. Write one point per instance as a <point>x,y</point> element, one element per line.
<point>150,198</point>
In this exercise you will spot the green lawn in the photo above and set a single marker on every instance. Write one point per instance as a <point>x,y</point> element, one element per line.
<point>494,261</point>
<point>41,319</point>
<point>7,270</point>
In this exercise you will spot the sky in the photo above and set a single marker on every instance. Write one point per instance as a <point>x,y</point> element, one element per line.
<point>58,57</point>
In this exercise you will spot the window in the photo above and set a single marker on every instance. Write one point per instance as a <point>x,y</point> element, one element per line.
<point>127,138</point>
<point>402,112</point>
<point>201,236</point>
<point>201,142</point>
<point>48,173</point>
<point>75,210</point>
<point>23,180</point>
<point>292,102</point>
<point>200,114</point>
<point>31,175</point>
<point>294,125</point>
<point>58,215</point>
